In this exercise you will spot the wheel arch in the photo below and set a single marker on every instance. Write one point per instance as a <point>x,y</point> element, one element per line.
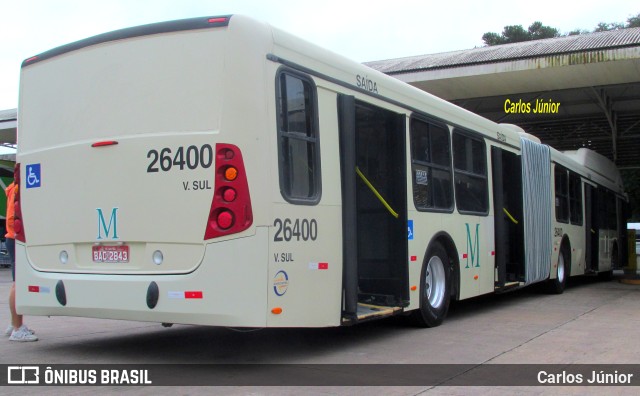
<point>446,241</point>
<point>565,245</point>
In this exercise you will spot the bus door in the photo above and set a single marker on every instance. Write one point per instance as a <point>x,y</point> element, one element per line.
<point>373,169</point>
<point>509,231</point>
<point>591,228</point>
<point>622,212</point>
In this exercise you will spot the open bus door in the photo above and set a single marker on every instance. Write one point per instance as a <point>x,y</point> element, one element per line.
<point>591,228</point>
<point>374,198</point>
<point>509,231</point>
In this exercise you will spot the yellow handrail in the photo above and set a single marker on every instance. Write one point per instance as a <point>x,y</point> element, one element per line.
<point>376,193</point>
<point>509,215</point>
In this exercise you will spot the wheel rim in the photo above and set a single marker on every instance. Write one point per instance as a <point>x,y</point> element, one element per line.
<point>434,282</point>
<point>561,268</point>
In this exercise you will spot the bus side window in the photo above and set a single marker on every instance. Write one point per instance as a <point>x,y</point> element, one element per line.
<point>431,166</point>
<point>298,145</point>
<point>470,171</point>
<point>575,198</point>
<point>562,194</point>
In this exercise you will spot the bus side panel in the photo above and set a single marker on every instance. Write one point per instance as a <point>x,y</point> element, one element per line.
<point>576,236</point>
<point>474,240</point>
<point>305,241</point>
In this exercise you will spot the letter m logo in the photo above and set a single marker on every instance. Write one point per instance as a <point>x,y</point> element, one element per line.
<point>473,247</point>
<point>107,229</point>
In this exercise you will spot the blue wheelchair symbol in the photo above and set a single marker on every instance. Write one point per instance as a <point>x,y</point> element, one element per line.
<point>33,176</point>
<point>410,229</point>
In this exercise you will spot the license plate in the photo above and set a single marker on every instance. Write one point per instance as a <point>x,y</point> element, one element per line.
<point>111,254</point>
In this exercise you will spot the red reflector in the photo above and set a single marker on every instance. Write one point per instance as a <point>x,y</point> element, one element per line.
<point>414,258</point>
<point>217,20</point>
<point>105,143</point>
<point>225,219</point>
<point>33,58</point>
<point>229,195</point>
<point>34,289</point>
<point>193,294</point>
<point>464,256</point>
<point>323,266</point>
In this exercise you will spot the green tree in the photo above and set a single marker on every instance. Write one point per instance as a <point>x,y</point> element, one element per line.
<point>577,32</point>
<point>538,31</point>
<point>516,34</point>
<point>605,27</point>
<point>491,38</point>
<point>633,21</point>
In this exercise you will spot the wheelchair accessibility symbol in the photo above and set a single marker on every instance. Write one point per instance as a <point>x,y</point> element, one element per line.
<point>33,176</point>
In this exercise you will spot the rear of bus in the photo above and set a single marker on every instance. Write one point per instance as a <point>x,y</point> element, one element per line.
<point>141,156</point>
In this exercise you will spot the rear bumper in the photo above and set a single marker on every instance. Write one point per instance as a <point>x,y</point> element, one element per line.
<point>229,288</point>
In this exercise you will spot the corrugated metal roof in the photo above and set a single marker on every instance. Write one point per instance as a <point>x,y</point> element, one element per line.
<point>8,115</point>
<point>499,53</point>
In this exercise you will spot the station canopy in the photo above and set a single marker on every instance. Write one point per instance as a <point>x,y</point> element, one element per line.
<point>594,79</point>
<point>8,127</point>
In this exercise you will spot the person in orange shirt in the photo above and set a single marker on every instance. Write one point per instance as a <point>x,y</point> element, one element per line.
<point>17,331</point>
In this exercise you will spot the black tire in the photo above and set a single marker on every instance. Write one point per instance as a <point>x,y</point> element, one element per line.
<point>435,288</point>
<point>557,285</point>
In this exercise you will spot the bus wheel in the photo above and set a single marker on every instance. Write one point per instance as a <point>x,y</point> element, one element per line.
<point>434,288</point>
<point>558,284</point>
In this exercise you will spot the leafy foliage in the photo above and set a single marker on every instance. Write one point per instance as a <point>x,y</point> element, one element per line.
<point>537,31</point>
<point>605,27</point>
<point>516,34</point>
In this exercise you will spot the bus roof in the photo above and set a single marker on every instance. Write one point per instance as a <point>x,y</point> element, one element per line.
<point>135,31</point>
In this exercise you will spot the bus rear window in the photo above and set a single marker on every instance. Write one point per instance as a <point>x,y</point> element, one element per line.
<point>298,146</point>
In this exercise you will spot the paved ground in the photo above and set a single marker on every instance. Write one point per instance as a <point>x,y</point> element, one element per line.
<point>591,323</point>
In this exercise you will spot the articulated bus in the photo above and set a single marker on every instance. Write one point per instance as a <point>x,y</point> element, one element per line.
<point>219,171</point>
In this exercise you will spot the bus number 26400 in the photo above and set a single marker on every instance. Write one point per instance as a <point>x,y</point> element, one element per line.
<point>296,229</point>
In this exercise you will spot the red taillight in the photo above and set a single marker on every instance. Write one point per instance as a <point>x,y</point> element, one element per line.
<point>224,219</point>
<point>18,226</point>
<point>230,211</point>
<point>229,195</point>
<point>221,20</point>
<point>30,60</point>
<point>104,143</point>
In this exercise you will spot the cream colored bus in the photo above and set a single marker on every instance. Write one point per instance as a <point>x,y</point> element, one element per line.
<point>219,171</point>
